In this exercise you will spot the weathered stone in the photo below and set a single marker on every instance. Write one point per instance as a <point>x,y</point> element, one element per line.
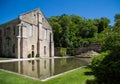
<point>29,34</point>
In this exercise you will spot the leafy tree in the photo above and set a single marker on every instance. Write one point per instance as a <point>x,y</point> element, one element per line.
<point>57,30</point>
<point>102,23</point>
<point>88,29</point>
<point>117,17</point>
<point>117,23</point>
<point>65,22</point>
<point>75,31</point>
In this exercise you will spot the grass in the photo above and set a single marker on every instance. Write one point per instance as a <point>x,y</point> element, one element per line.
<point>78,76</point>
<point>4,58</point>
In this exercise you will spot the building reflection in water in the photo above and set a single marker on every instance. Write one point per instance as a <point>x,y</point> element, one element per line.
<point>44,68</point>
<point>40,69</point>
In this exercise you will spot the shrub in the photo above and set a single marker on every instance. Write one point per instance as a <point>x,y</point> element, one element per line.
<point>63,51</point>
<point>29,56</point>
<point>37,55</point>
<point>111,41</point>
<point>71,52</point>
<point>96,60</point>
<point>106,66</point>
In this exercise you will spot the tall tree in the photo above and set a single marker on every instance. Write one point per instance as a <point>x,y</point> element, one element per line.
<point>102,23</point>
<point>65,22</point>
<point>117,22</point>
<point>88,29</point>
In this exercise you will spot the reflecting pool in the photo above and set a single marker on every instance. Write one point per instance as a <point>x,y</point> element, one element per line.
<point>44,68</point>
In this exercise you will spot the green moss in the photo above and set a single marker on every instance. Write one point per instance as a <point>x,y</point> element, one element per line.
<point>63,51</point>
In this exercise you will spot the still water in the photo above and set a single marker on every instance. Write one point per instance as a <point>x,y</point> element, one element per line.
<point>44,68</point>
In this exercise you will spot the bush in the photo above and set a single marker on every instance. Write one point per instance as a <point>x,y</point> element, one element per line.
<point>111,41</point>
<point>63,51</point>
<point>106,66</point>
<point>71,52</point>
<point>37,55</point>
<point>96,60</point>
<point>29,56</point>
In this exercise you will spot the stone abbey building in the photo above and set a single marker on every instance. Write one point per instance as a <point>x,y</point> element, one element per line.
<point>30,35</point>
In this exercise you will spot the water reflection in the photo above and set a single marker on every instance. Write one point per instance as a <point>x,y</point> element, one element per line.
<point>44,68</point>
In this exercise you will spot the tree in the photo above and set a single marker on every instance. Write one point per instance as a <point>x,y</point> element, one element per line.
<point>65,22</point>
<point>102,23</point>
<point>88,29</point>
<point>117,22</point>
<point>57,30</point>
<point>75,31</point>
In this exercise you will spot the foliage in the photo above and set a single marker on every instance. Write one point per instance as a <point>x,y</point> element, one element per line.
<point>72,31</point>
<point>71,52</point>
<point>88,29</point>
<point>96,60</point>
<point>102,23</point>
<point>63,51</point>
<point>117,23</point>
<point>106,66</point>
<point>111,41</point>
<point>37,55</point>
<point>29,56</point>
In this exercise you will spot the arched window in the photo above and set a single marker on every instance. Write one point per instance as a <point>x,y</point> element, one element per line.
<point>45,33</point>
<point>32,53</point>
<point>45,64</point>
<point>32,47</point>
<point>44,50</point>
<point>30,30</point>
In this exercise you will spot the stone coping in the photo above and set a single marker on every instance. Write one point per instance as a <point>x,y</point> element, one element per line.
<point>54,76</point>
<point>43,80</point>
<point>23,59</point>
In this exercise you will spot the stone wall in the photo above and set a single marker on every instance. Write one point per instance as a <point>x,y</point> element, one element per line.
<point>8,38</point>
<point>94,47</point>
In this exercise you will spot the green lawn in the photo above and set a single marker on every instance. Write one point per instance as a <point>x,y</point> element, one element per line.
<point>4,58</point>
<point>78,76</point>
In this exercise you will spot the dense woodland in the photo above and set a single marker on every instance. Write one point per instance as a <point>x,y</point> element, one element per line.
<point>74,31</point>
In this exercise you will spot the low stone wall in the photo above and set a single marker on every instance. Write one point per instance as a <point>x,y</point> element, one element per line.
<point>95,47</point>
<point>60,51</point>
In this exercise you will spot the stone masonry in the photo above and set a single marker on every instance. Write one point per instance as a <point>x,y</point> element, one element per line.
<point>30,35</point>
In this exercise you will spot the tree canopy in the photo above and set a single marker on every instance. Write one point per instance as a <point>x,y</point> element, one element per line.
<point>75,31</point>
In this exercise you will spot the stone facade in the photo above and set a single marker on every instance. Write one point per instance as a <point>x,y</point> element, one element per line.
<point>29,35</point>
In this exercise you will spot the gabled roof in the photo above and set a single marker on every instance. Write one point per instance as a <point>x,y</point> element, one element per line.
<point>46,25</point>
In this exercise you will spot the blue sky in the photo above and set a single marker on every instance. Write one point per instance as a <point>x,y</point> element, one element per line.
<point>10,9</point>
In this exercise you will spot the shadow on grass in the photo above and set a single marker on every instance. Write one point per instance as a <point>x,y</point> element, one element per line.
<point>90,73</point>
